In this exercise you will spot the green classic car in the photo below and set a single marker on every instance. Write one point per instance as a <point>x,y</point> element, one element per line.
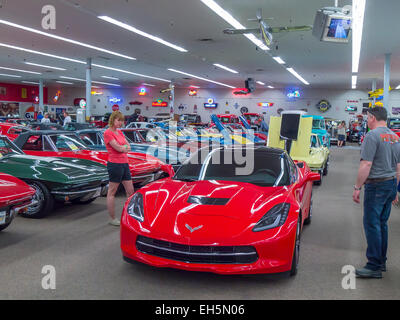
<point>54,179</point>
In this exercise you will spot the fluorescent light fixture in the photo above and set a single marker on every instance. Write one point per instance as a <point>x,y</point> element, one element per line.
<point>129,72</point>
<point>98,82</point>
<point>44,66</point>
<point>398,87</point>
<point>262,83</point>
<point>49,35</point>
<point>148,84</point>
<point>142,33</point>
<point>204,79</point>
<point>107,77</point>
<point>19,70</point>
<point>291,70</point>
<point>40,53</point>
<point>271,87</point>
<point>353,82</point>
<point>279,60</point>
<point>196,87</point>
<point>357,30</point>
<point>233,22</point>
<point>9,75</point>
<point>64,82</point>
<point>225,68</point>
<point>30,82</point>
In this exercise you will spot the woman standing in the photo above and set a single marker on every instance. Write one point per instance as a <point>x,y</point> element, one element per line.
<point>341,133</point>
<point>117,165</point>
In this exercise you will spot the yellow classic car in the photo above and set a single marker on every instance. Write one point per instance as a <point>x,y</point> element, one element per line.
<point>307,147</point>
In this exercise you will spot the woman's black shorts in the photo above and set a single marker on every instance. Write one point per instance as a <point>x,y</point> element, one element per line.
<point>118,172</point>
<point>341,137</point>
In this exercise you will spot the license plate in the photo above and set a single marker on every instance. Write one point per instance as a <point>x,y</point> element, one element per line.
<point>97,193</point>
<point>3,215</point>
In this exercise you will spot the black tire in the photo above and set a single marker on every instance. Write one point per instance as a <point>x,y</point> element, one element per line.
<point>307,221</point>
<point>326,167</point>
<point>296,251</point>
<point>4,226</point>
<point>319,182</point>
<point>45,201</point>
<point>79,201</point>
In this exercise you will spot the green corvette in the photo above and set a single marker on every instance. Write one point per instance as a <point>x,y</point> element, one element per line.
<point>54,179</point>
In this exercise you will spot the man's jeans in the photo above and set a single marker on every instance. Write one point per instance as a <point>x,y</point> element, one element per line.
<point>378,199</point>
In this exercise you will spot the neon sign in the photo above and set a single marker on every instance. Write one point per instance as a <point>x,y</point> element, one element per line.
<point>57,96</point>
<point>115,100</point>
<point>210,104</point>
<point>293,94</point>
<point>159,103</point>
<point>142,92</point>
<point>192,92</point>
<point>265,104</point>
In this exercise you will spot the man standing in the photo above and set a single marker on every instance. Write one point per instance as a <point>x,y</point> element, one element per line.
<point>67,118</point>
<point>46,118</point>
<point>379,170</point>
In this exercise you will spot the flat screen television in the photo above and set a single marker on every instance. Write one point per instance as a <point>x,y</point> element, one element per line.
<point>337,29</point>
<point>290,126</point>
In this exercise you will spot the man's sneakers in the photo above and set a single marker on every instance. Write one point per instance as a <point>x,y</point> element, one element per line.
<point>368,273</point>
<point>115,222</point>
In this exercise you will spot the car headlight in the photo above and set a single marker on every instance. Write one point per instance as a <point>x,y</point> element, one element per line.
<point>275,217</point>
<point>135,207</point>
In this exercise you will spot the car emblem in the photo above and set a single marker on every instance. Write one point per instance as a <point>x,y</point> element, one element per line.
<point>194,229</point>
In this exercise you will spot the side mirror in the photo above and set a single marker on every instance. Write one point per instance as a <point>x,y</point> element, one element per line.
<point>313,176</point>
<point>300,164</point>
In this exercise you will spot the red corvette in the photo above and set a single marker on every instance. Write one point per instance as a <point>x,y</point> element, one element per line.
<point>222,218</point>
<point>15,196</point>
<point>65,144</point>
<point>12,130</point>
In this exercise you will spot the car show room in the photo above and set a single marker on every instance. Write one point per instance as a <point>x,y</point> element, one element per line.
<point>199,150</point>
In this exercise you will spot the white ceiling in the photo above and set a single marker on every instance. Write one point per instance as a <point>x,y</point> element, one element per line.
<point>184,23</point>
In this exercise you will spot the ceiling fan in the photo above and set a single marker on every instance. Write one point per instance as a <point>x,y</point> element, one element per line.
<point>265,30</point>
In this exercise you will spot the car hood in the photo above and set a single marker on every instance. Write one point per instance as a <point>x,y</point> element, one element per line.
<point>65,170</point>
<point>12,189</point>
<point>238,206</point>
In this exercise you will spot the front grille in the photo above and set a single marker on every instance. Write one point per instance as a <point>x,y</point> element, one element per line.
<point>197,254</point>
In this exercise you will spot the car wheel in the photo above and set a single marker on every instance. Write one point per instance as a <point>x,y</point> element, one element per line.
<point>296,251</point>
<point>307,221</point>
<point>319,182</point>
<point>4,226</point>
<point>79,201</point>
<point>44,199</point>
<point>325,172</point>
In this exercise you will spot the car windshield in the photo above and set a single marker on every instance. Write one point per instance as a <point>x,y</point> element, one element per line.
<point>395,124</point>
<point>8,148</point>
<point>260,167</point>
<point>66,142</point>
<point>132,136</point>
<point>318,124</point>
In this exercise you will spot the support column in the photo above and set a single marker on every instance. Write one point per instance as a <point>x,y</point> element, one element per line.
<point>89,87</point>
<point>41,105</point>
<point>386,83</point>
<point>373,89</point>
<point>172,100</point>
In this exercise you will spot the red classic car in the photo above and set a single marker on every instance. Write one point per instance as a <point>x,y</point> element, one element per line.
<point>219,216</point>
<point>226,118</point>
<point>15,196</point>
<point>11,130</point>
<point>253,118</point>
<point>144,168</point>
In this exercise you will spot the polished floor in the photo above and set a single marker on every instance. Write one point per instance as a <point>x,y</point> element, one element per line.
<point>84,251</point>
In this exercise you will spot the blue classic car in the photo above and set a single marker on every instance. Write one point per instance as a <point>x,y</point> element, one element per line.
<point>95,140</point>
<point>319,128</point>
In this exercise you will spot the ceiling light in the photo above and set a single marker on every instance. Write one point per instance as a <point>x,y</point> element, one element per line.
<point>9,75</point>
<point>148,84</point>
<point>225,68</point>
<point>398,87</point>
<point>279,60</point>
<point>83,80</point>
<point>49,35</point>
<point>357,30</point>
<point>19,70</point>
<point>262,83</point>
<point>107,77</point>
<point>233,22</point>
<point>128,72</point>
<point>30,82</point>
<point>64,82</point>
<point>291,70</point>
<point>271,87</point>
<point>196,87</point>
<point>197,77</point>
<point>44,66</point>
<point>40,53</point>
<point>353,82</point>
<point>142,33</point>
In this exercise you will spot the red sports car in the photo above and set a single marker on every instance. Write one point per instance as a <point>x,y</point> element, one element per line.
<point>222,216</point>
<point>12,130</point>
<point>65,144</point>
<point>15,196</point>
